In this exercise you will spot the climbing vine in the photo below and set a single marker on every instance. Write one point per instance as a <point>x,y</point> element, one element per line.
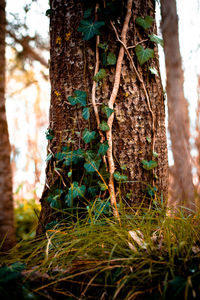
<point>96,161</point>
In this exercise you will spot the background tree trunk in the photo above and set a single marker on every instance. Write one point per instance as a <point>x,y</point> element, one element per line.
<point>72,68</point>
<point>6,200</point>
<point>177,107</point>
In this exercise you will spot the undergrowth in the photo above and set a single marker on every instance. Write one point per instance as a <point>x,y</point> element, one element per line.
<point>149,255</point>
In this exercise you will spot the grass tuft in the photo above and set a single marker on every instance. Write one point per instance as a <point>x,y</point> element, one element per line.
<point>150,255</point>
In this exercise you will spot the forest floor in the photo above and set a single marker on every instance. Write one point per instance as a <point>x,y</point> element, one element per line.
<point>147,255</point>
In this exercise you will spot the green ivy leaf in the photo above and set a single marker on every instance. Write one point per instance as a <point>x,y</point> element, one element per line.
<point>92,165</point>
<point>151,190</point>
<point>73,157</point>
<point>148,139</point>
<point>79,98</point>
<point>69,174</point>
<point>107,111</point>
<point>88,135</point>
<point>54,201</point>
<point>154,38</point>
<point>143,55</point>
<point>100,75</point>
<point>49,134</point>
<point>49,157</point>
<point>102,185</point>
<point>89,28</point>
<point>92,191</point>
<point>104,126</point>
<point>103,148</point>
<point>155,154</point>
<point>87,13</point>
<point>111,59</point>
<point>153,71</point>
<point>149,165</point>
<point>103,46</point>
<point>60,155</point>
<point>74,191</point>
<point>86,113</point>
<point>145,23</point>
<point>120,177</point>
<point>48,12</point>
<point>11,272</point>
<point>123,167</point>
<point>50,225</point>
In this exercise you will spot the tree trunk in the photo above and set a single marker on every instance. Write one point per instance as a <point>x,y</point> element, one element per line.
<point>6,200</point>
<point>177,107</point>
<point>137,126</point>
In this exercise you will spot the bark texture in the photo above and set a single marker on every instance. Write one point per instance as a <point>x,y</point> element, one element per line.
<point>6,200</point>
<point>177,109</point>
<point>72,68</point>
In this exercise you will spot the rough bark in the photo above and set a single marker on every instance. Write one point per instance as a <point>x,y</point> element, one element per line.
<point>72,67</point>
<point>177,107</point>
<point>6,200</point>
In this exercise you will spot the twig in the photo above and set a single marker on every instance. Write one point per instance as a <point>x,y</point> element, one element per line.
<point>130,47</point>
<point>94,104</point>
<point>143,85</point>
<point>111,104</point>
<point>59,174</point>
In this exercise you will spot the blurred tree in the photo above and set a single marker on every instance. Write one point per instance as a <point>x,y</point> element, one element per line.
<point>183,188</point>
<point>139,123</point>
<point>6,200</point>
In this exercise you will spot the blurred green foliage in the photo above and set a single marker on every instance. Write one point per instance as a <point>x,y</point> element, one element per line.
<point>26,218</point>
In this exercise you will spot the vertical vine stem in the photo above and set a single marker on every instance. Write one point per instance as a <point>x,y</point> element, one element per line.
<point>111,102</point>
<point>94,88</point>
<point>142,83</point>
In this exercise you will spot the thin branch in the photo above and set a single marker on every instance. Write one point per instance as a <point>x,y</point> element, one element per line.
<point>143,41</point>
<point>94,104</point>
<point>28,49</point>
<point>111,104</point>
<point>143,85</point>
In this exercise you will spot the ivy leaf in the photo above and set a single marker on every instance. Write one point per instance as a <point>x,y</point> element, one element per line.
<point>102,185</point>
<point>103,148</point>
<point>88,135</point>
<point>145,23</point>
<point>143,55</point>
<point>50,225</point>
<point>104,126</point>
<point>155,154</point>
<point>54,202</point>
<point>49,134</point>
<point>48,12</point>
<point>148,139</point>
<point>87,13</point>
<point>90,155</point>
<point>74,191</point>
<point>92,191</point>
<point>74,157</point>
<point>120,177</point>
<point>92,165</point>
<point>89,28</point>
<point>111,59</point>
<point>153,71</point>
<point>60,155</point>
<point>103,46</point>
<point>11,272</point>
<point>107,111</point>
<point>79,98</point>
<point>100,75</point>
<point>154,38</point>
<point>49,157</point>
<point>149,165</point>
<point>86,113</point>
